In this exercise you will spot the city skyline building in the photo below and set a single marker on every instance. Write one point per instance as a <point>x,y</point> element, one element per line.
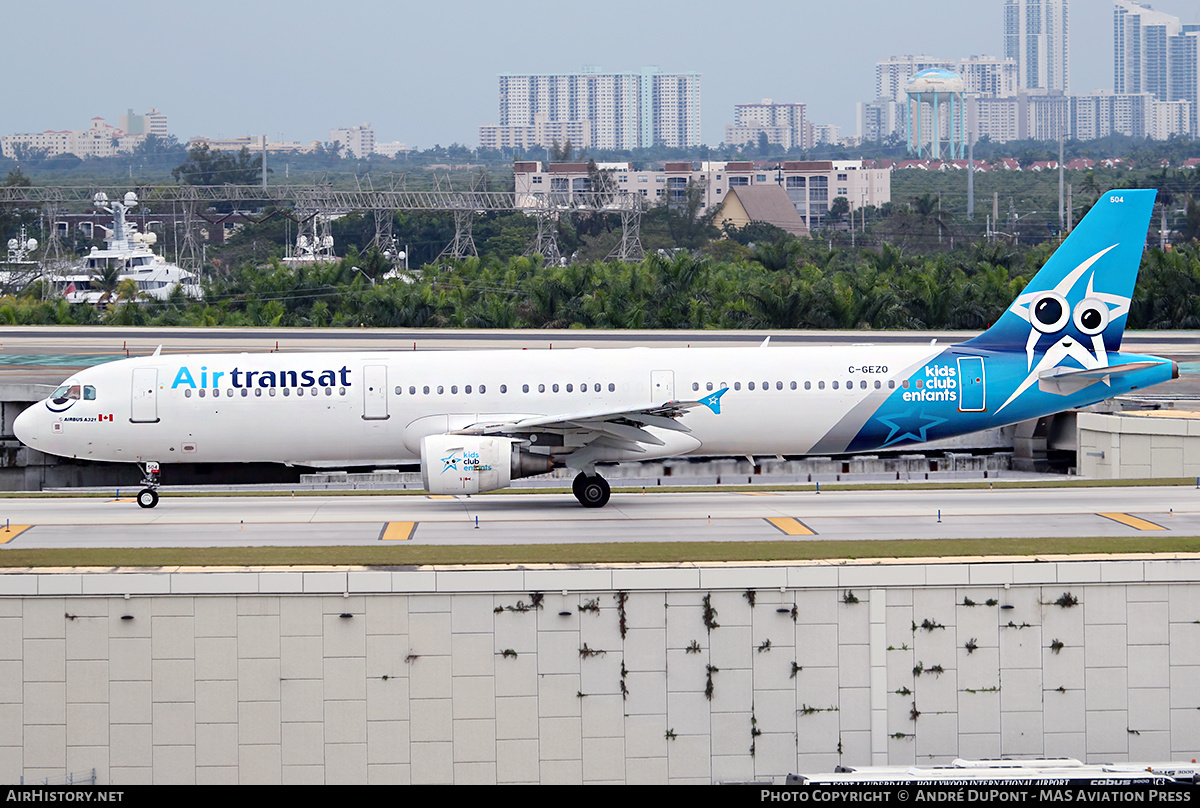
<point>100,139</point>
<point>626,110</point>
<point>1156,53</point>
<point>358,141</point>
<point>1037,36</point>
<point>784,125</point>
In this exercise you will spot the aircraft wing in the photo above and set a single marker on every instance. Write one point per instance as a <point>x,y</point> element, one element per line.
<point>619,426</point>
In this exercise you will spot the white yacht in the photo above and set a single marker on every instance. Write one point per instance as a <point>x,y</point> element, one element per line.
<point>130,253</point>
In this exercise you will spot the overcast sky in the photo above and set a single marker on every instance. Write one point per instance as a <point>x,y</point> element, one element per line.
<point>425,73</point>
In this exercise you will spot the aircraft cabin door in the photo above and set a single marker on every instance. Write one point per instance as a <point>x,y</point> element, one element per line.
<point>971,389</point>
<point>662,386</point>
<point>144,404</point>
<point>375,407</point>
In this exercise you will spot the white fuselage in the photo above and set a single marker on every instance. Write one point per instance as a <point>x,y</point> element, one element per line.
<point>331,409</point>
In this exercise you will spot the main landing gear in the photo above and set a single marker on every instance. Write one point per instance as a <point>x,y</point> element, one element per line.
<point>148,496</point>
<point>591,490</point>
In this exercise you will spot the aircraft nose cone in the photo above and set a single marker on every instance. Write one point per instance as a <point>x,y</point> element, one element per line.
<point>25,428</point>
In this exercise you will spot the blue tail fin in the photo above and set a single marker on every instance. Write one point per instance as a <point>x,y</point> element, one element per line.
<point>1084,290</point>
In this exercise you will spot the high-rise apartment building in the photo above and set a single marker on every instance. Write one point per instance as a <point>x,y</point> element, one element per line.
<point>1037,37</point>
<point>783,124</point>
<point>988,76</point>
<point>1141,48</point>
<point>1155,53</point>
<point>625,110</point>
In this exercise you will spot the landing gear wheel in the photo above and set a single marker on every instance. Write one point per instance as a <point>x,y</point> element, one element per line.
<point>592,492</point>
<point>147,498</point>
<point>577,485</point>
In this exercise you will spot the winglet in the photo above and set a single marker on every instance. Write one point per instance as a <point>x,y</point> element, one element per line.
<point>713,402</point>
<point>157,351</point>
<point>765,342</point>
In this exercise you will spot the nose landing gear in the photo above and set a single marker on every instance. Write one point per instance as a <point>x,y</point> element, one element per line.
<point>148,496</point>
<point>591,490</point>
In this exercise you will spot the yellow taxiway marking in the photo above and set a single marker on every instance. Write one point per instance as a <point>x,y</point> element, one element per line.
<point>398,531</point>
<point>439,496</point>
<point>791,526</point>
<point>10,532</point>
<point>760,494</point>
<point>123,499</point>
<point>1132,521</point>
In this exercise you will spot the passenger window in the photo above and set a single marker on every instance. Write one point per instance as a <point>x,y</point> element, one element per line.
<point>904,384</point>
<point>808,385</point>
<point>778,385</point>
<point>709,386</point>
<point>202,391</point>
<point>878,384</point>
<point>425,389</point>
<point>891,384</point>
<point>570,389</point>
<point>524,388</point>
<point>246,392</point>
<point>441,389</point>
<point>612,388</point>
<point>554,388</point>
<point>187,392</point>
<point>737,385</point>
<point>920,384</point>
<point>835,386</point>
<point>863,384</point>
<point>596,387</point>
<point>398,389</point>
<point>793,385</point>
<point>286,392</point>
<point>750,386</point>
<point>483,389</point>
<point>412,391</point>
<point>541,388</point>
<point>270,392</point>
<point>467,389</point>
<point>258,392</point>
<point>453,389</point>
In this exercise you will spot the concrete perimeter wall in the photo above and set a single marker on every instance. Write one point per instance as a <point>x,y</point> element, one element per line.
<point>689,674</point>
<point>1138,446</point>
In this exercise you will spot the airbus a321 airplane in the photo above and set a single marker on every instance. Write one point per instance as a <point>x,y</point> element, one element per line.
<point>475,420</point>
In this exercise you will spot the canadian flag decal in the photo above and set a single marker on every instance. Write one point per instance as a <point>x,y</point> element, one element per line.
<point>106,417</point>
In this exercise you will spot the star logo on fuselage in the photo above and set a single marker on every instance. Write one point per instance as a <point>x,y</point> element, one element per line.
<point>450,462</point>
<point>911,425</point>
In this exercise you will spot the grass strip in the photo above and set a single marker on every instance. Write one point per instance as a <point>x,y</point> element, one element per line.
<point>596,553</point>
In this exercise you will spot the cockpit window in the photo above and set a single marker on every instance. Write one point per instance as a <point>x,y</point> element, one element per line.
<point>89,393</point>
<point>70,392</point>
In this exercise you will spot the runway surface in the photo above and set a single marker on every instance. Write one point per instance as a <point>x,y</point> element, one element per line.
<point>502,519</point>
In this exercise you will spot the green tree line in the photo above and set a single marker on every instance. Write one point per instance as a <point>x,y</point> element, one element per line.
<point>788,284</point>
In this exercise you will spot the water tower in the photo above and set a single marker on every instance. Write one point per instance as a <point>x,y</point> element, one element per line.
<point>938,92</point>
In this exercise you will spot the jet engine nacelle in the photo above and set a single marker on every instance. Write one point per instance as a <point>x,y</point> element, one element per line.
<point>469,464</point>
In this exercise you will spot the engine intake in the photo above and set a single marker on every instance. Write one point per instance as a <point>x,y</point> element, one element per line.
<point>469,464</point>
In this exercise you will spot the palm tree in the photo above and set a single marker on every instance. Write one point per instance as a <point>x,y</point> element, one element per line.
<point>106,281</point>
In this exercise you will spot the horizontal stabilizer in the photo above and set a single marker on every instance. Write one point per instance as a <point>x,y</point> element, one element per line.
<point>1069,380</point>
